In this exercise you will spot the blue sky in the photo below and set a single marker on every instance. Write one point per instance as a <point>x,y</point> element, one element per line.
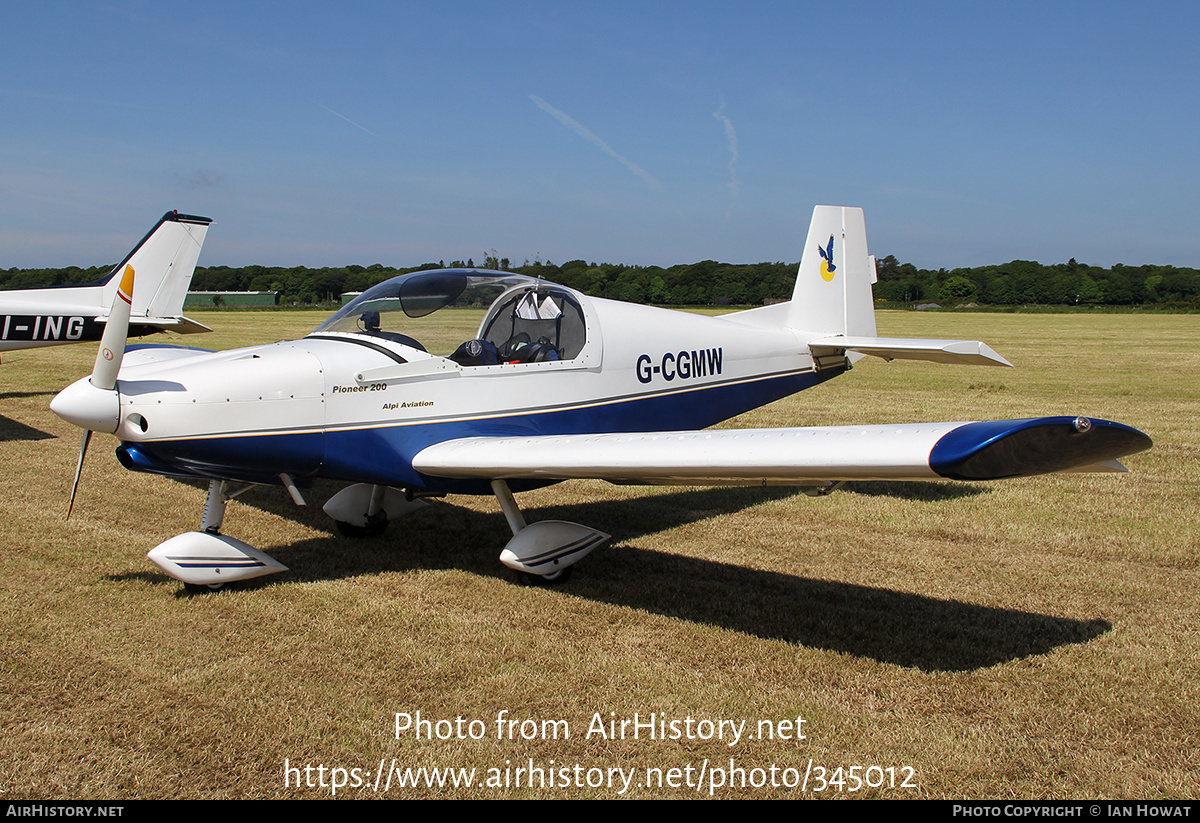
<point>643,133</point>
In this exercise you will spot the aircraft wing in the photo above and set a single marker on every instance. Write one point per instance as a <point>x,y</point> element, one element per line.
<point>915,451</point>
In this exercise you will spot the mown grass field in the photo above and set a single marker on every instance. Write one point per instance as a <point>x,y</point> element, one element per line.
<point>1029,639</point>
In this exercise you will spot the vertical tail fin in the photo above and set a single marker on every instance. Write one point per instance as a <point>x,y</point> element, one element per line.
<point>165,261</point>
<point>833,287</point>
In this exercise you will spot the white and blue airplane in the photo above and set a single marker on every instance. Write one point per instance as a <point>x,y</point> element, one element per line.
<point>166,258</point>
<point>555,386</point>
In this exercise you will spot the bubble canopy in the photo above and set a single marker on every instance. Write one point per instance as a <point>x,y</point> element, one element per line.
<point>386,305</point>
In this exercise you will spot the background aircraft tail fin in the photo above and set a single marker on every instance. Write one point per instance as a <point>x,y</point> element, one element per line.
<point>165,261</point>
<point>833,287</point>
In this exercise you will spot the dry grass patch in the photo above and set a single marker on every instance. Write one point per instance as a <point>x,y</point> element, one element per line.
<point>1026,639</point>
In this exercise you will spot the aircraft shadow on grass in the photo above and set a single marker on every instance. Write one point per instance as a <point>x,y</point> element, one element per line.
<point>13,430</point>
<point>915,490</point>
<point>14,395</point>
<point>894,627</point>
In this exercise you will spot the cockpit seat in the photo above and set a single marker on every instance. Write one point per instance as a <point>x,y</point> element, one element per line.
<point>507,350</point>
<point>523,351</point>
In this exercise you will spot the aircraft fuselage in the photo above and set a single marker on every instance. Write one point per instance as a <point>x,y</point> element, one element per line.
<point>27,331</point>
<point>340,406</point>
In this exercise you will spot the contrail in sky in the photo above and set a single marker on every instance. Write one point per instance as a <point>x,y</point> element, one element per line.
<point>731,138</point>
<point>577,127</point>
<point>348,120</point>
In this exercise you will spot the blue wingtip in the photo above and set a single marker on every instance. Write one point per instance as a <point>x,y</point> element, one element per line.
<point>993,450</point>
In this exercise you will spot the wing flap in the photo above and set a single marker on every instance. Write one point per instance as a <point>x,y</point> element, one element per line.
<point>798,456</point>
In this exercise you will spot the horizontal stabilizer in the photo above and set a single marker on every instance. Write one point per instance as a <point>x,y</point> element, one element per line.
<point>798,456</point>
<point>957,352</point>
<point>179,325</point>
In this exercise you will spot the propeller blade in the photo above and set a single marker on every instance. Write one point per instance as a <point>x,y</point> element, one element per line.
<point>116,330</point>
<point>87,437</point>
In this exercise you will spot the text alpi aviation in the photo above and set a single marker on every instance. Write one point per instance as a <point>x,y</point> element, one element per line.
<point>556,385</point>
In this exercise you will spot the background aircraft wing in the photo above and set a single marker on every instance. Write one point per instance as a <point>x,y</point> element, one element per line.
<point>988,450</point>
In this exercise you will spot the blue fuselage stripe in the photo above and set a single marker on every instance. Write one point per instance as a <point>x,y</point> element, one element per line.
<point>383,455</point>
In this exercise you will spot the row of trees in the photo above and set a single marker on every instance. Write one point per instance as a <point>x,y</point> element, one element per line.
<point>1027,282</point>
<point>709,282</point>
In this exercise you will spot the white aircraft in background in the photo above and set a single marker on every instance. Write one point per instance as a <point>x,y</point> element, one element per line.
<point>165,260</point>
<point>555,386</point>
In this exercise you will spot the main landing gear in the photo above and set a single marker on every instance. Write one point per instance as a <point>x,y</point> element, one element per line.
<point>542,553</point>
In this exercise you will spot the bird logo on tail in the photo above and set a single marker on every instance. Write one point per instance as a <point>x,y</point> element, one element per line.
<point>827,266</point>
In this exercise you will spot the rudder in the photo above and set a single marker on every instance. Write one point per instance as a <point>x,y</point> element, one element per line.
<point>833,286</point>
<point>165,261</point>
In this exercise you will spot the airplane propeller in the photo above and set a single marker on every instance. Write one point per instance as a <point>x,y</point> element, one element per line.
<point>87,438</point>
<point>94,404</point>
